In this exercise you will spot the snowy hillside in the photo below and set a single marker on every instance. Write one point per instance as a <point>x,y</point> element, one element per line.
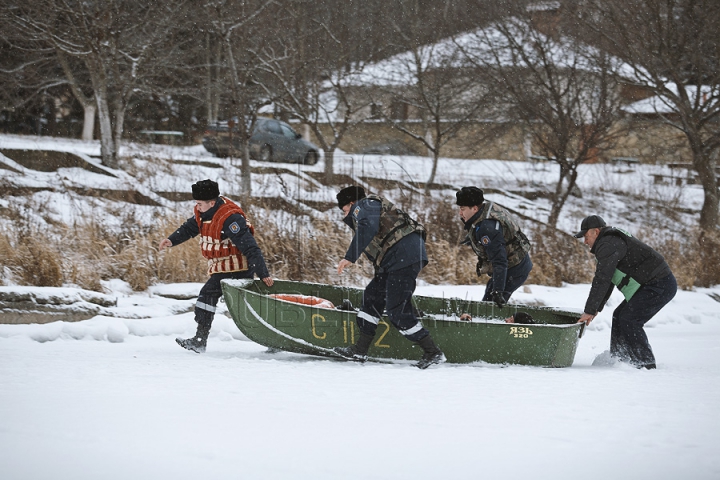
<point>626,197</point>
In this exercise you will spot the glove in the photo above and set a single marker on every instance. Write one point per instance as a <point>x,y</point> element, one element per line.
<point>498,298</point>
<point>346,306</point>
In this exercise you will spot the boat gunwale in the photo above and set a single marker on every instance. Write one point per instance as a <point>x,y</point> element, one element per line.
<point>242,283</point>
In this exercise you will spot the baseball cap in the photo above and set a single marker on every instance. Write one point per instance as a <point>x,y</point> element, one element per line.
<point>593,221</point>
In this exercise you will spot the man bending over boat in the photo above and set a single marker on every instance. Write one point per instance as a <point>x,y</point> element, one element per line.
<point>395,244</point>
<point>228,244</point>
<point>643,277</point>
<point>501,247</point>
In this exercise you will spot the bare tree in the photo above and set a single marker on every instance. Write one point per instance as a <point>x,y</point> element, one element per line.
<point>29,73</point>
<point>431,86</point>
<point>33,65</point>
<point>117,41</point>
<point>78,88</point>
<point>311,85</point>
<point>238,26</point>
<point>674,48</point>
<point>425,92</point>
<point>564,93</point>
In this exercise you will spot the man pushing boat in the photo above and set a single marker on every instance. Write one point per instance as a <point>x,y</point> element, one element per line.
<point>395,244</point>
<point>643,277</point>
<point>227,242</point>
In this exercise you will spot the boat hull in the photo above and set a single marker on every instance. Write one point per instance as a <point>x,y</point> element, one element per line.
<point>312,330</point>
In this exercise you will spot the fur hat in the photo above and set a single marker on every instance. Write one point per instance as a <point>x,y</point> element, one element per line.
<point>349,194</point>
<point>593,221</point>
<point>205,190</point>
<point>469,197</point>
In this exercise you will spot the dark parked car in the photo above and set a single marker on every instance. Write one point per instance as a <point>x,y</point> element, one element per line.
<point>272,140</point>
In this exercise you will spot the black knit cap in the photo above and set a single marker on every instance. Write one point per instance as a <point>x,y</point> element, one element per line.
<point>522,317</point>
<point>469,197</point>
<point>205,190</point>
<point>593,221</point>
<point>349,194</point>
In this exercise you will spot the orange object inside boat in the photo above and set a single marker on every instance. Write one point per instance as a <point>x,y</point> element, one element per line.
<point>304,299</point>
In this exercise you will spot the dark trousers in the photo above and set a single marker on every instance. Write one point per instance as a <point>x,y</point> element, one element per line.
<point>516,276</point>
<point>392,291</point>
<point>210,293</point>
<point>628,341</point>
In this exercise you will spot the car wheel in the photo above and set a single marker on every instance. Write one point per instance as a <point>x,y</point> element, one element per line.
<point>311,158</point>
<point>266,153</point>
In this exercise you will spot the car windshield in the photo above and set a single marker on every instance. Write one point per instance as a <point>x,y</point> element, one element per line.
<point>288,132</point>
<point>273,127</point>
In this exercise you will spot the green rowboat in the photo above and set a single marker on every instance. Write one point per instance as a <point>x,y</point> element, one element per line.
<point>316,329</point>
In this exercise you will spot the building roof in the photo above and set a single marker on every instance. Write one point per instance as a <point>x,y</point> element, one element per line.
<point>483,43</point>
<point>662,105</point>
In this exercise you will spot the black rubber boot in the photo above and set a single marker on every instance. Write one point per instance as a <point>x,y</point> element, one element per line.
<point>432,355</point>
<point>357,352</point>
<point>197,343</point>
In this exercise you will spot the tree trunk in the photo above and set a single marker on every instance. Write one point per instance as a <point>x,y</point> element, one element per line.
<point>561,195</point>
<point>709,273</point>
<point>240,105</point>
<point>208,78</point>
<point>118,130</point>
<point>329,166</point>
<point>429,141</point>
<point>89,121</point>
<point>705,167</point>
<point>431,180</point>
<point>434,152</point>
<point>88,103</point>
<point>107,144</point>
<point>52,116</point>
<point>245,180</point>
<point>212,59</point>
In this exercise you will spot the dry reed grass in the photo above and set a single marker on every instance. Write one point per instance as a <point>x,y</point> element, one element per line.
<point>309,250</point>
<point>708,273</point>
<point>451,264</point>
<point>32,262</point>
<point>694,263</point>
<point>558,258</point>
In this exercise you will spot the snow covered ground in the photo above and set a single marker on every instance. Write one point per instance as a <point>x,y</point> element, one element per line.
<point>114,397</point>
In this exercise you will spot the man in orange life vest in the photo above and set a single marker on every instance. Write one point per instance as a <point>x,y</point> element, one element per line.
<point>227,242</point>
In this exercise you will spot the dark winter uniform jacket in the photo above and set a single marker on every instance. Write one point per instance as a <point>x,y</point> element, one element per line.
<point>390,239</point>
<point>622,261</point>
<point>226,239</point>
<point>499,244</point>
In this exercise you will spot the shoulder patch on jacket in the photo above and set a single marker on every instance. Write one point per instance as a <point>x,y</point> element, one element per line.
<point>356,211</point>
<point>234,227</point>
<point>485,240</point>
